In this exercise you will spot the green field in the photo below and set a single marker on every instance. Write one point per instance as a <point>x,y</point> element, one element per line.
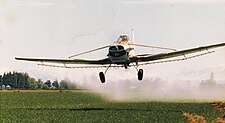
<point>52,107</point>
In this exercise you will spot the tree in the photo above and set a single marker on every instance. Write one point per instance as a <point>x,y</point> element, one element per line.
<point>32,82</point>
<point>39,84</point>
<point>1,83</point>
<point>19,80</point>
<point>63,84</point>
<point>48,82</point>
<point>24,80</point>
<point>67,84</point>
<point>45,87</point>
<point>56,84</point>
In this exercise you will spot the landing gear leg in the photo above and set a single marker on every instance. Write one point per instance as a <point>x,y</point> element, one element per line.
<point>102,75</point>
<point>125,65</point>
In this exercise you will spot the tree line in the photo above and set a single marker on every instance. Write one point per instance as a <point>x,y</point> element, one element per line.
<point>18,80</point>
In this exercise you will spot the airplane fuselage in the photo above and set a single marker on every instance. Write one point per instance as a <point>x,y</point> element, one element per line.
<point>118,55</point>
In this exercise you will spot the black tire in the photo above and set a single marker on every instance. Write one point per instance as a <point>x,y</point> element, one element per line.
<point>140,74</point>
<point>102,77</point>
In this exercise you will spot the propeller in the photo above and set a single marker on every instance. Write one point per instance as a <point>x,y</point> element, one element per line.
<point>157,47</point>
<point>89,51</point>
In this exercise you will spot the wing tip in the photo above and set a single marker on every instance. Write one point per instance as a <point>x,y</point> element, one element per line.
<point>18,58</point>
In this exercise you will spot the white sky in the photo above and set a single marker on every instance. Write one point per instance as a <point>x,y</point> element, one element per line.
<point>59,28</point>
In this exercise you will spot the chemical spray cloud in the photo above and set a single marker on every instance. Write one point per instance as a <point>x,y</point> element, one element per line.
<point>122,85</point>
<point>156,89</point>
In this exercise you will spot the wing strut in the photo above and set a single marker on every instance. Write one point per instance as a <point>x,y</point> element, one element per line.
<point>89,51</point>
<point>151,46</point>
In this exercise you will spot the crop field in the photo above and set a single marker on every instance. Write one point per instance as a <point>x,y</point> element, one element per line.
<point>84,106</point>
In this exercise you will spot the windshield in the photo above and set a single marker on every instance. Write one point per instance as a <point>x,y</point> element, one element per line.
<point>123,38</point>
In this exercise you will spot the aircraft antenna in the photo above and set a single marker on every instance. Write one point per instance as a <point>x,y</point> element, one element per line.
<point>132,33</point>
<point>132,41</point>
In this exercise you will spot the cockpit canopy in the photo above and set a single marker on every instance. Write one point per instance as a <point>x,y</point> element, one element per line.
<point>116,47</point>
<point>123,37</point>
<point>117,51</point>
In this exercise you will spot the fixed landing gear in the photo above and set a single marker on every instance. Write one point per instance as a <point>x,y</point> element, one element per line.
<point>140,74</point>
<point>102,74</point>
<point>102,77</point>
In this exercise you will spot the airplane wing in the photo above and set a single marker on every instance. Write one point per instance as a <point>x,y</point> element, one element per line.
<point>138,58</point>
<point>161,56</point>
<point>68,61</point>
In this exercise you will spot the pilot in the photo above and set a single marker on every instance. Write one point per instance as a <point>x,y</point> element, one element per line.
<point>124,38</point>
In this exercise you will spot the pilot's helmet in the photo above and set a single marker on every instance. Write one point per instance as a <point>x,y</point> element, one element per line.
<point>124,38</point>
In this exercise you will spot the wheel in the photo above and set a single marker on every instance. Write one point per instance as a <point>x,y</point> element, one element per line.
<point>140,74</point>
<point>102,77</point>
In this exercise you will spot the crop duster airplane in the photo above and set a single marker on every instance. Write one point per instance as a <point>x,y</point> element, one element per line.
<point>120,55</point>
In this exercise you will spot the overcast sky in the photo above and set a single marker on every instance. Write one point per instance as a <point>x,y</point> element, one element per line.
<point>59,28</point>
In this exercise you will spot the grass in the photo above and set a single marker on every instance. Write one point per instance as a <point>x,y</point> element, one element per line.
<point>83,106</point>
